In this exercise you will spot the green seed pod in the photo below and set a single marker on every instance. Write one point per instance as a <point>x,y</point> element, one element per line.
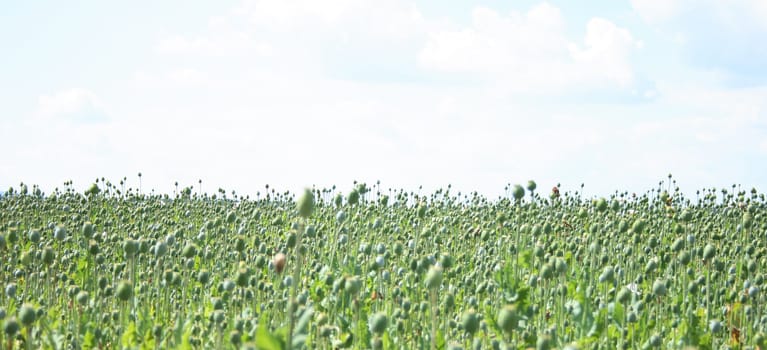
<point>708,252</point>
<point>608,275</point>
<point>354,197</point>
<point>678,245</point>
<point>291,240</point>
<point>231,217</point>
<point>421,211</point>
<point>639,226</point>
<point>376,343</point>
<point>651,266</point>
<point>59,233</point>
<point>353,285</point>
<point>305,204</point>
<point>434,277</point>
<point>93,247</point>
<point>124,291</point>
<point>424,306</point>
<point>624,295</point>
<point>243,276</point>
<point>218,316</point>
<point>378,323</point>
<point>561,266</point>
<point>130,247</point>
<point>748,220</point>
<point>92,190</point>
<point>686,215</point>
<point>11,327</point>
<point>27,315</point>
<point>34,236</point>
<point>715,326</point>
<point>470,322</point>
<point>449,302</point>
<point>338,200</point>
<point>27,257</point>
<point>189,251</point>
<point>692,288</point>
<point>310,231</point>
<point>659,288</point>
<point>518,192</point>
<point>508,319</point>
<point>684,257</point>
<point>87,230</point>
<point>531,186</point>
<point>543,343</point>
<point>48,256</point>
<point>446,261</point>
<point>655,340</point>
<point>82,297</point>
<point>160,249</point>
<point>547,271</point>
<point>759,340</point>
<point>601,205</point>
<point>217,303</point>
<point>235,338</point>
<point>239,243</point>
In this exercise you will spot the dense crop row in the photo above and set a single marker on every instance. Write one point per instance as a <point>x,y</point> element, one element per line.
<point>118,269</point>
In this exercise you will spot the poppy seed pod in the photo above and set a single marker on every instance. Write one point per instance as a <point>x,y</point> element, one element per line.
<point>59,233</point>
<point>27,315</point>
<point>508,318</point>
<point>659,288</point>
<point>518,192</point>
<point>434,277</point>
<point>354,197</point>
<point>378,323</point>
<point>279,261</point>
<point>87,230</point>
<point>11,327</point>
<point>124,291</point>
<point>352,285</point>
<point>470,322</point>
<point>708,252</point>
<point>305,204</point>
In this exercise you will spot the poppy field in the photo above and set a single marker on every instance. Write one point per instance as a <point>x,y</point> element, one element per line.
<point>367,267</point>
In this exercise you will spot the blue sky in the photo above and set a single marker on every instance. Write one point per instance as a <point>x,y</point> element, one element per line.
<point>294,93</point>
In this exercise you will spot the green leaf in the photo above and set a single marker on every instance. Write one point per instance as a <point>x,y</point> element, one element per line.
<point>149,341</point>
<point>344,340</point>
<point>440,340</point>
<point>525,258</point>
<point>89,340</point>
<point>618,313</point>
<point>299,340</point>
<point>303,321</point>
<point>493,323</point>
<point>130,336</point>
<point>265,340</point>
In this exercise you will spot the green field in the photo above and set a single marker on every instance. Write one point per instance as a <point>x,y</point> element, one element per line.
<point>371,268</point>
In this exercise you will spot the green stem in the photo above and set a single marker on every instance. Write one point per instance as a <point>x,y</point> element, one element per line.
<point>433,300</point>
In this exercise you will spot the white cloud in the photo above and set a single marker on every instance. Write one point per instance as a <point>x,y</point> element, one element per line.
<point>657,10</point>
<point>607,51</point>
<point>714,35</point>
<point>733,13</point>
<point>531,51</point>
<point>255,98</point>
<point>222,39</point>
<point>74,105</point>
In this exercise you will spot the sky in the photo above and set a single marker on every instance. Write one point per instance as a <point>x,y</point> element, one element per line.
<point>476,94</point>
